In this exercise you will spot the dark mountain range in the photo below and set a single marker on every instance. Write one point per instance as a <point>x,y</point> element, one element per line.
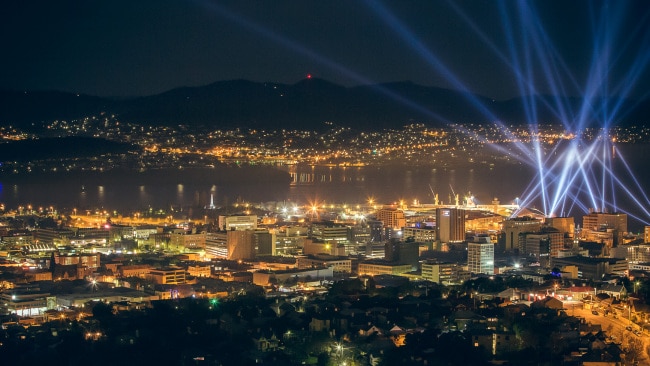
<point>307,104</point>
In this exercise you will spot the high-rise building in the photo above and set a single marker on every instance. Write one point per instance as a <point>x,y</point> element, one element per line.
<point>480,255</point>
<point>451,224</point>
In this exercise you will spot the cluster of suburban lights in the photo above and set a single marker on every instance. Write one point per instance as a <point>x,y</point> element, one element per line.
<point>574,175</point>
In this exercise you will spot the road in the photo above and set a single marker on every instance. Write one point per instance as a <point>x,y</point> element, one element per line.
<point>613,327</point>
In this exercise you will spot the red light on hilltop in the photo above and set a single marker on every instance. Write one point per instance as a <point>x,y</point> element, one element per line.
<point>308,76</point>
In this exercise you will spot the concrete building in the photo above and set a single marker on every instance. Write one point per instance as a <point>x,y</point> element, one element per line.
<point>264,242</point>
<point>379,267</point>
<point>338,264</point>
<point>199,271</point>
<point>265,278</point>
<point>89,260</point>
<point>420,235</point>
<point>216,244</point>
<point>330,232</point>
<point>402,252</point>
<point>187,241</point>
<point>592,268</point>
<point>136,270</point>
<point>637,253</point>
<point>167,276</point>
<point>542,245</point>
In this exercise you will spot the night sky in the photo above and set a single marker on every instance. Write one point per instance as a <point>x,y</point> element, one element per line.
<point>143,47</point>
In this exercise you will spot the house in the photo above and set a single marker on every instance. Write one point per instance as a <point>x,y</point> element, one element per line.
<point>613,290</point>
<point>266,343</point>
<point>549,303</point>
<point>370,331</point>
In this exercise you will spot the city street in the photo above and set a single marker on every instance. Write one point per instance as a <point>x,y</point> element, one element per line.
<point>613,327</point>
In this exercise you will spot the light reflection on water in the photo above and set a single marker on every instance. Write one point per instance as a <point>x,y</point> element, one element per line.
<point>307,184</point>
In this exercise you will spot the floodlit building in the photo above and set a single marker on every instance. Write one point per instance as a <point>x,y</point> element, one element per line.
<point>516,226</point>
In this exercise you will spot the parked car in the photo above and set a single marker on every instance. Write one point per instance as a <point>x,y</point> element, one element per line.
<point>594,312</point>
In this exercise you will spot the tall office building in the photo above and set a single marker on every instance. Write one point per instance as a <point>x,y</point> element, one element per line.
<point>480,255</point>
<point>451,224</point>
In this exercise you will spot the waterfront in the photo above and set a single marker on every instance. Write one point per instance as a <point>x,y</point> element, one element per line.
<point>301,184</point>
